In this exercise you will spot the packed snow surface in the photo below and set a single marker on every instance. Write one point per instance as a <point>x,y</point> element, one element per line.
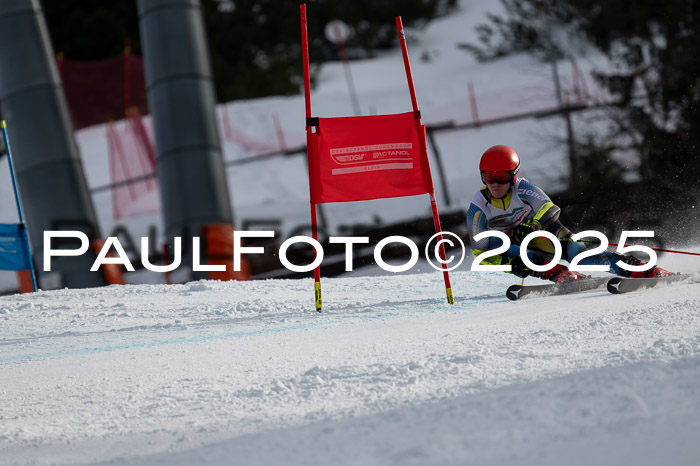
<point>248,373</point>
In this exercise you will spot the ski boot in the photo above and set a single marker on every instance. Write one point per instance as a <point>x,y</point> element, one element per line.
<point>559,274</point>
<point>653,272</point>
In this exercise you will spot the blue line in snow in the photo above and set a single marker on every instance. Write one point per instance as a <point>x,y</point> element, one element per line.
<point>151,344</point>
<point>224,336</point>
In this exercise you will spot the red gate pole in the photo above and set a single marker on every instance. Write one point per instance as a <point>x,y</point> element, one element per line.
<point>310,147</point>
<point>433,203</point>
<point>406,63</point>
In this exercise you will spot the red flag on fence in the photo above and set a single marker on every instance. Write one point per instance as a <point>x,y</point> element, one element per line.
<point>367,157</point>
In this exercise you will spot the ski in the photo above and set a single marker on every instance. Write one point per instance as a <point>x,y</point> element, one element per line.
<point>618,285</point>
<point>516,292</point>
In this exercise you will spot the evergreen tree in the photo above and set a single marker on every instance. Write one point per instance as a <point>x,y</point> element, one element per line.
<point>254,44</point>
<point>655,79</point>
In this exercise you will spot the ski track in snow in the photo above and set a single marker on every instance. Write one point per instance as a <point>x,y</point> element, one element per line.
<point>194,373</point>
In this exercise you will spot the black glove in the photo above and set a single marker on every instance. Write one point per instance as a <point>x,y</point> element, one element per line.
<point>518,234</point>
<point>519,269</point>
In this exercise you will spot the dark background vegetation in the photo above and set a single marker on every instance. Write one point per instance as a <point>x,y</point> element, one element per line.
<point>654,81</point>
<point>255,45</point>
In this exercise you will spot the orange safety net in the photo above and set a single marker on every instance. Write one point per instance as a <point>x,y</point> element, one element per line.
<point>132,168</point>
<point>218,250</point>
<point>101,91</point>
<point>24,278</point>
<point>113,272</point>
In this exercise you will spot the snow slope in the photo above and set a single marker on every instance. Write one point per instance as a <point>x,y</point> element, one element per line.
<point>247,372</point>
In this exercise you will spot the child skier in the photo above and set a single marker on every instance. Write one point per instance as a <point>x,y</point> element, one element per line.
<point>517,207</point>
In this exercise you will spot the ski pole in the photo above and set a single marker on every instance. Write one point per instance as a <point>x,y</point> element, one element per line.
<point>655,249</point>
<point>668,250</point>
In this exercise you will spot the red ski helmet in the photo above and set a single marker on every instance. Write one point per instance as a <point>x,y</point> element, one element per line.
<point>500,163</point>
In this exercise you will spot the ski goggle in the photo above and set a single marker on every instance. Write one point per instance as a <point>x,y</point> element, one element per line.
<point>497,177</point>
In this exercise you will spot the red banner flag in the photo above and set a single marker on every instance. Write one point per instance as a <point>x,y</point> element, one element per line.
<point>368,157</point>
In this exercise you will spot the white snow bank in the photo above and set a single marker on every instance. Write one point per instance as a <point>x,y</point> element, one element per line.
<point>388,374</point>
